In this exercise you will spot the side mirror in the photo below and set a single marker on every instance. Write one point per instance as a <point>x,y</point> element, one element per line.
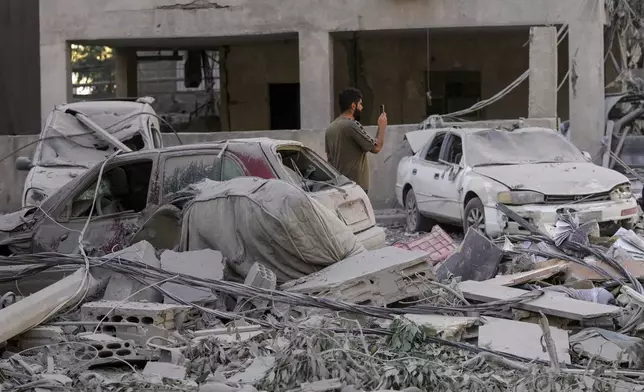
<point>587,156</point>
<point>23,164</point>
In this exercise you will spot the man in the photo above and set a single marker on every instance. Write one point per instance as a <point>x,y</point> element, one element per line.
<point>347,143</point>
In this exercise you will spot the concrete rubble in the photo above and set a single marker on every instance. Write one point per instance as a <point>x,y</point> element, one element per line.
<point>529,312</point>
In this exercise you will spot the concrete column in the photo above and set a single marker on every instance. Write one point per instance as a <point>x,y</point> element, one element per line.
<point>587,90</point>
<point>126,72</point>
<point>55,76</point>
<point>316,79</point>
<point>543,72</point>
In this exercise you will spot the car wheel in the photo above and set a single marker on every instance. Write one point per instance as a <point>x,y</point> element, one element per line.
<point>415,221</point>
<point>474,216</point>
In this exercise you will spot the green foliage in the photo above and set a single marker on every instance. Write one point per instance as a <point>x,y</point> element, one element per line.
<point>93,66</point>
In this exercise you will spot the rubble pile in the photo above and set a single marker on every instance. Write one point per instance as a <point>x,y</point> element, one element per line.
<point>557,308</point>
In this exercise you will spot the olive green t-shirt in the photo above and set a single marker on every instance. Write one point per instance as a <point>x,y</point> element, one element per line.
<point>347,145</point>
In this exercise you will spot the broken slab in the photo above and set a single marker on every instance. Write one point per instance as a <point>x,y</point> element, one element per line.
<point>477,258</point>
<point>447,327</point>
<point>120,287</point>
<point>381,276</point>
<point>165,370</point>
<point>579,272</point>
<point>529,276</point>
<point>231,334</point>
<point>522,339</point>
<point>550,303</point>
<point>437,244</point>
<point>609,346</point>
<point>255,372</point>
<point>207,264</point>
<point>40,336</point>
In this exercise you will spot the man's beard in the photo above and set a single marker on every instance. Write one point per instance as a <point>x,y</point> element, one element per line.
<point>356,115</point>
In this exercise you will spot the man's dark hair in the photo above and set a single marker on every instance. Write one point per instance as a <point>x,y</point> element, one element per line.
<point>349,96</point>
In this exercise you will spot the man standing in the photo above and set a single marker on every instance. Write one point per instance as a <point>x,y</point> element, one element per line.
<point>347,143</point>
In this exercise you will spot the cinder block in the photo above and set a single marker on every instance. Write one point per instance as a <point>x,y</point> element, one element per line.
<point>207,263</point>
<point>160,315</point>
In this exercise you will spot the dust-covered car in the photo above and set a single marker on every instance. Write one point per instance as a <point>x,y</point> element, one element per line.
<point>459,176</point>
<point>67,146</point>
<point>138,182</point>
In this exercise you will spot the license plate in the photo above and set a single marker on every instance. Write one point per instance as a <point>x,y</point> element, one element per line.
<point>353,212</point>
<point>589,216</point>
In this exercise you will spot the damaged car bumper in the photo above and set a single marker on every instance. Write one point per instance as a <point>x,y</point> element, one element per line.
<point>497,223</point>
<point>372,238</point>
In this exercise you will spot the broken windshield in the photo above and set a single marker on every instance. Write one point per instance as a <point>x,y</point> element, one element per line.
<point>529,145</point>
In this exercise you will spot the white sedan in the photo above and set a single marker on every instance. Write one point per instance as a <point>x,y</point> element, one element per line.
<point>459,175</point>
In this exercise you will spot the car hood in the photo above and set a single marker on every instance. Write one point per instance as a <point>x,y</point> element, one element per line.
<point>50,179</point>
<point>577,178</point>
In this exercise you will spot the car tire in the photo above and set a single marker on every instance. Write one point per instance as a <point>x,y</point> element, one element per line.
<point>414,219</point>
<point>474,215</point>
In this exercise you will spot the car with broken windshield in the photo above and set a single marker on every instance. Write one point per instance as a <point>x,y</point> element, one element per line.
<point>135,185</point>
<point>78,135</point>
<point>460,175</point>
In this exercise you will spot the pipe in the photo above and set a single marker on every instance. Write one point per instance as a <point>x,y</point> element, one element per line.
<point>100,132</point>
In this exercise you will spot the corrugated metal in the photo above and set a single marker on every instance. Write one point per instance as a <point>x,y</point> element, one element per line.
<point>19,67</point>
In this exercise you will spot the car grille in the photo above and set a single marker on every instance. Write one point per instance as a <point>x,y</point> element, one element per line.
<point>565,199</point>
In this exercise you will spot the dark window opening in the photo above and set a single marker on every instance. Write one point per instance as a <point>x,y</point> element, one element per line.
<point>121,189</point>
<point>454,151</point>
<point>284,101</point>
<point>434,150</point>
<point>452,91</point>
<point>303,168</point>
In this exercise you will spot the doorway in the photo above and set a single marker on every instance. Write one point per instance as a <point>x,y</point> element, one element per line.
<point>284,101</point>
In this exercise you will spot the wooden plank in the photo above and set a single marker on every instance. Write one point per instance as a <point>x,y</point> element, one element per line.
<point>549,303</point>
<point>529,276</point>
<point>522,339</point>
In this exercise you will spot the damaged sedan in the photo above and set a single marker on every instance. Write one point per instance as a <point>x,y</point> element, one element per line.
<point>134,185</point>
<point>460,175</point>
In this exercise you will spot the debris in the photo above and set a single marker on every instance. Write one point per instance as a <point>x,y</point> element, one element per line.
<point>525,277</point>
<point>202,263</point>
<point>39,336</point>
<point>380,276</point>
<point>160,315</point>
<point>448,327</point>
<point>255,372</point>
<point>553,304</point>
<point>437,243</point>
<point>230,334</point>
<point>258,276</point>
<point>165,370</point>
<point>597,295</point>
<point>121,287</point>
<point>609,346</point>
<point>37,308</point>
<point>629,242</point>
<point>522,339</point>
<point>477,258</point>
<point>580,272</point>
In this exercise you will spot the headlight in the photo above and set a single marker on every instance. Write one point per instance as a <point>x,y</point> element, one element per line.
<point>621,192</point>
<point>520,197</point>
<point>34,197</point>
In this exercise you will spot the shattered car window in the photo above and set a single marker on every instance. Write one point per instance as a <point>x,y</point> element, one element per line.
<point>230,169</point>
<point>521,146</point>
<point>182,171</point>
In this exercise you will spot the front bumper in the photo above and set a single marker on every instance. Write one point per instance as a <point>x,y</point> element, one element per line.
<point>497,223</point>
<point>373,238</point>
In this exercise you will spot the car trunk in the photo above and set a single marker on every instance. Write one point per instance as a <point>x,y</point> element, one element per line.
<point>327,186</point>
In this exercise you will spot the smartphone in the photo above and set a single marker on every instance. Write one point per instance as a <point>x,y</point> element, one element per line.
<point>382,109</point>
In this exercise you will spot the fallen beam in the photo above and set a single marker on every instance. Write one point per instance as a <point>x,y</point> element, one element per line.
<point>529,276</point>
<point>549,303</point>
<point>34,309</point>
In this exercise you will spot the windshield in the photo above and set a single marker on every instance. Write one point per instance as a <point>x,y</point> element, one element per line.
<point>529,145</point>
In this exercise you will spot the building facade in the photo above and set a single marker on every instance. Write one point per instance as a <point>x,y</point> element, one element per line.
<point>281,63</point>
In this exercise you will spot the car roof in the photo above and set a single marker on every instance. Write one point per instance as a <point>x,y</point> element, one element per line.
<point>264,141</point>
<point>107,106</point>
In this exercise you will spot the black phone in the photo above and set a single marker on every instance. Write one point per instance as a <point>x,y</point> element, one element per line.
<point>382,109</point>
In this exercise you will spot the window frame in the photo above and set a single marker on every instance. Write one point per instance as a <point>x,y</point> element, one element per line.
<point>442,135</point>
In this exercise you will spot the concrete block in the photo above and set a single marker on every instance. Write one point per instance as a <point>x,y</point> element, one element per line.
<point>207,264</point>
<point>261,277</point>
<point>165,370</point>
<point>120,287</point>
<point>438,244</point>
<point>161,315</point>
<point>255,372</point>
<point>380,276</point>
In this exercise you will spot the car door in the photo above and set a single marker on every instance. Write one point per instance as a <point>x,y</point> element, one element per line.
<point>426,170</point>
<point>449,185</point>
<point>118,196</point>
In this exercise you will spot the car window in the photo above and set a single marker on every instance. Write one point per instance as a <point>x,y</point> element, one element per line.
<point>454,149</point>
<point>230,169</point>
<point>121,189</point>
<point>181,171</point>
<point>434,150</point>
